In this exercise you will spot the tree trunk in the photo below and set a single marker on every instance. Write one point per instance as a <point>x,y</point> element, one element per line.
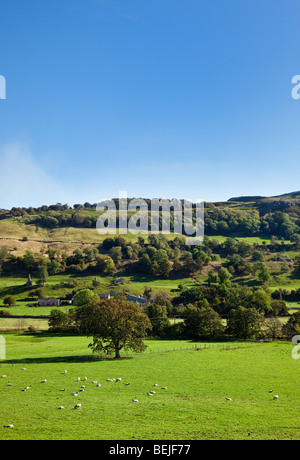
<point>117,355</point>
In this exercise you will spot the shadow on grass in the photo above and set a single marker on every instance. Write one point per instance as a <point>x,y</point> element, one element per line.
<point>63,359</point>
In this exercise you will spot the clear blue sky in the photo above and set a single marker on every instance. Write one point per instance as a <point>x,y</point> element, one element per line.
<point>161,98</point>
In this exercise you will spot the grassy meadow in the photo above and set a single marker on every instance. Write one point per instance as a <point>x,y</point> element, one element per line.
<point>193,407</point>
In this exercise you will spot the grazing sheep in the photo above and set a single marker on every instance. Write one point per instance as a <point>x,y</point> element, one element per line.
<point>271,391</point>
<point>82,386</point>
<point>85,378</point>
<point>9,384</point>
<point>78,379</point>
<point>78,406</point>
<point>150,394</point>
<point>8,426</point>
<point>135,400</point>
<point>44,381</point>
<point>61,407</point>
<point>275,397</point>
<point>63,389</point>
<point>4,376</point>
<point>95,381</point>
<point>99,385</point>
<point>164,388</point>
<point>65,372</point>
<point>155,385</point>
<point>23,369</point>
<point>75,394</point>
<point>127,384</point>
<point>119,380</point>
<point>228,399</point>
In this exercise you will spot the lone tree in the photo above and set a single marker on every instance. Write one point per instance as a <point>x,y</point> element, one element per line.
<point>114,324</point>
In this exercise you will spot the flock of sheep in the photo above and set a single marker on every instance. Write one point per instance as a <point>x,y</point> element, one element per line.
<point>76,393</point>
<point>95,382</point>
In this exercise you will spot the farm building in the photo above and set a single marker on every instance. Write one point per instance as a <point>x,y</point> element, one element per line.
<point>139,299</point>
<point>104,296</point>
<point>48,302</point>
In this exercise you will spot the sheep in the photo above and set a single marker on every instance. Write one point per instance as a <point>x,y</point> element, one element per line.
<point>228,399</point>
<point>44,381</point>
<point>75,394</point>
<point>82,386</point>
<point>65,372</point>
<point>271,391</point>
<point>8,426</point>
<point>95,381</point>
<point>63,389</point>
<point>78,379</point>
<point>135,400</point>
<point>119,380</point>
<point>150,394</point>
<point>23,369</point>
<point>126,384</point>
<point>61,407</point>
<point>4,376</point>
<point>85,378</point>
<point>155,385</point>
<point>78,406</point>
<point>164,388</point>
<point>275,397</point>
<point>9,384</point>
<point>99,385</point>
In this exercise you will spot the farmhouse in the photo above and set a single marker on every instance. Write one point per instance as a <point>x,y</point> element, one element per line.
<point>285,259</point>
<point>48,302</point>
<point>104,296</point>
<point>139,299</point>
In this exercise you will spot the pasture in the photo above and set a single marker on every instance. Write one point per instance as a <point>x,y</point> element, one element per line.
<point>193,407</point>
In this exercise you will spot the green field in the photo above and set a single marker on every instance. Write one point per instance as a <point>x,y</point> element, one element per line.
<point>193,406</point>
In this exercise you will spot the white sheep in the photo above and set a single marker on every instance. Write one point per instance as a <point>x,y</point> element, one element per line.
<point>99,385</point>
<point>44,381</point>
<point>61,407</point>
<point>275,397</point>
<point>228,399</point>
<point>75,394</point>
<point>135,400</point>
<point>119,380</point>
<point>78,406</point>
<point>8,426</point>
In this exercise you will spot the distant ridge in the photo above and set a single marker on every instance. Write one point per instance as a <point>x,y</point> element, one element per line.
<point>291,195</point>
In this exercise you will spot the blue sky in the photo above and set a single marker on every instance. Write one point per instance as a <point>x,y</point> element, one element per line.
<point>161,98</point>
